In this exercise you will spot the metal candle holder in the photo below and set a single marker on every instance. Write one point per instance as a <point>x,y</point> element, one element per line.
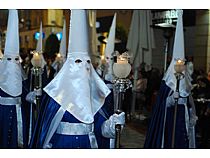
<point>37,73</point>
<point>179,68</point>
<point>121,84</point>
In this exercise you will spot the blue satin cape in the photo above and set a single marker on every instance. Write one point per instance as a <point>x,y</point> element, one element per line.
<point>155,130</point>
<point>48,110</point>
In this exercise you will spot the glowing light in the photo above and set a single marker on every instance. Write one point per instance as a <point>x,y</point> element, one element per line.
<point>36,60</point>
<point>59,35</point>
<point>59,55</point>
<point>179,66</point>
<point>37,34</point>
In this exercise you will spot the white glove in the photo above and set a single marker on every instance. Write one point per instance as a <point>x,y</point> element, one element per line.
<point>31,97</point>
<point>108,127</point>
<point>170,101</point>
<point>176,95</point>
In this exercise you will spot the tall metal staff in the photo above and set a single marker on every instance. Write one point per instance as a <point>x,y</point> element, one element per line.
<point>179,68</point>
<point>37,73</point>
<point>121,69</point>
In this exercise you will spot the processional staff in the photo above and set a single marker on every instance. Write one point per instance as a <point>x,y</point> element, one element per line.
<point>179,68</point>
<point>37,73</point>
<point>121,69</point>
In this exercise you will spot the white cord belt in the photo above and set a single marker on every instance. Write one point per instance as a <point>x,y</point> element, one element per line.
<point>67,128</point>
<point>10,100</point>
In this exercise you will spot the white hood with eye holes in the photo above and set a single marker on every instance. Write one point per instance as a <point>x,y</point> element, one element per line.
<point>10,71</point>
<point>11,76</point>
<point>78,88</point>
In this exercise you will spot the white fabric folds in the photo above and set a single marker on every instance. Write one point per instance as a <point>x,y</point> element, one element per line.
<point>78,88</point>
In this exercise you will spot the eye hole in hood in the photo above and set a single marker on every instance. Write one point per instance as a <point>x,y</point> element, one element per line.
<point>78,61</point>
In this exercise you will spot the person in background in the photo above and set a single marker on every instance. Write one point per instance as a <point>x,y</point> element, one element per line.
<point>190,66</point>
<point>160,130</point>
<point>12,113</point>
<point>202,91</point>
<point>141,87</point>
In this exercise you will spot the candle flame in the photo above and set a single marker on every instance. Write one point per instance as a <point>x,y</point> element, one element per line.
<point>180,62</point>
<point>36,54</point>
<point>59,55</point>
<point>102,57</point>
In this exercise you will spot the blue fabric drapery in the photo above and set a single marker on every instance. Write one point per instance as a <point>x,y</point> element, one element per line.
<point>156,129</point>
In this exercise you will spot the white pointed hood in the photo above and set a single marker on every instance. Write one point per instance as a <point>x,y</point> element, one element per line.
<point>11,77</point>
<point>12,35</point>
<point>61,56</point>
<point>62,49</point>
<point>77,87</point>
<point>39,46</point>
<point>110,49</point>
<point>178,53</point>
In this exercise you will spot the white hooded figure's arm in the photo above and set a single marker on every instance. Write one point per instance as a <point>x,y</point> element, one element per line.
<point>108,127</point>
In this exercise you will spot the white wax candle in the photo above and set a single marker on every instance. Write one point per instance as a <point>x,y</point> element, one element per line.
<point>36,60</point>
<point>122,60</point>
<point>58,57</point>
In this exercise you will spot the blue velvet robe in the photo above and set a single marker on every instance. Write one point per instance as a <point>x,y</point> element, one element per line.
<point>49,109</point>
<point>9,127</point>
<point>155,131</point>
<point>30,108</point>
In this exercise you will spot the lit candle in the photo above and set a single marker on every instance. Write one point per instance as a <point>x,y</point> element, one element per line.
<point>122,60</point>
<point>122,68</point>
<point>58,57</point>
<point>36,60</point>
<point>179,62</point>
<point>179,66</point>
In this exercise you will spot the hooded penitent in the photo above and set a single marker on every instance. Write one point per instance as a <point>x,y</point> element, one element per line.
<point>109,50</point>
<point>178,53</point>
<point>61,56</point>
<point>10,68</point>
<point>62,49</point>
<point>39,46</point>
<point>160,129</point>
<point>77,88</point>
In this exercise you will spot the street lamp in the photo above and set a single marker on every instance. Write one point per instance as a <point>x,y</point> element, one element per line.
<point>165,19</point>
<point>121,69</point>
